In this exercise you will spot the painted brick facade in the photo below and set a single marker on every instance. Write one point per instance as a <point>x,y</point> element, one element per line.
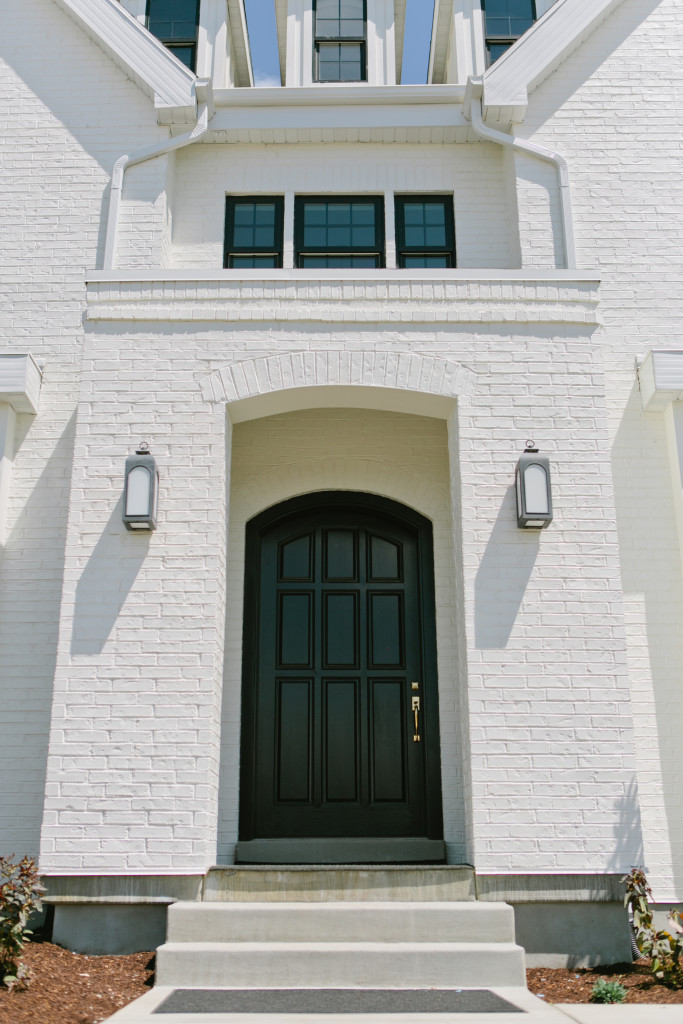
<point>121,654</point>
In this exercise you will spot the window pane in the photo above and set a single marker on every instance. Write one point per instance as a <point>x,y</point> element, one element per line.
<point>254,226</point>
<point>252,262</point>
<point>339,225</point>
<point>185,55</point>
<point>497,50</point>
<point>173,19</point>
<point>339,262</point>
<point>340,62</point>
<point>339,19</point>
<point>441,260</point>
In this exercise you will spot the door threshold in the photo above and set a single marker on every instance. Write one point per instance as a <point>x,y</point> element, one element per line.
<point>341,851</point>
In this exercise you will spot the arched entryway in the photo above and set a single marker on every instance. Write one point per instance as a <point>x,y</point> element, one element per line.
<point>337,763</point>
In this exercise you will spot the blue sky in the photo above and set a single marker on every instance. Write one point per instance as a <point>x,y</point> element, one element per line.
<point>261,20</point>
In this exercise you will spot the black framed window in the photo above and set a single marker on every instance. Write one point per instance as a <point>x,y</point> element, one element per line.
<point>339,231</point>
<point>425,231</point>
<point>253,231</point>
<point>175,24</point>
<point>340,50</point>
<point>506,21</point>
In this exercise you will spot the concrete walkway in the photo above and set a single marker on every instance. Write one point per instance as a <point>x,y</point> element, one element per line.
<point>534,1011</point>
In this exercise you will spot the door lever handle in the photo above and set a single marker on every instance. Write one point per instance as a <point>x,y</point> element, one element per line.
<point>415,708</point>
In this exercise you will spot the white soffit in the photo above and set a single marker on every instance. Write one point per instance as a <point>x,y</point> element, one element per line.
<point>438,51</point>
<point>661,378</point>
<point>538,53</point>
<point>20,380</point>
<point>281,21</point>
<point>240,42</point>
<point>143,58</point>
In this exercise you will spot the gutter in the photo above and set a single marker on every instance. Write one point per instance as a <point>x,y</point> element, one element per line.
<point>472,111</point>
<point>205,113</point>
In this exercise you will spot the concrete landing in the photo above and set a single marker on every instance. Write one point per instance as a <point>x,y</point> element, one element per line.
<point>533,1011</point>
<point>321,883</point>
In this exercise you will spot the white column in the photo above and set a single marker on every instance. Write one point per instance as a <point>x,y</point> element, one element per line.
<point>288,234</point>
<point>673,418</point>
<point>138,8</point>
<point>8,420</point>
<point>390,231</point>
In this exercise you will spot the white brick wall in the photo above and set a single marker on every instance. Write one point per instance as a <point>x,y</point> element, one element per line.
<point>205,174</point>
<point>610,109</point>
<point>66,114</point>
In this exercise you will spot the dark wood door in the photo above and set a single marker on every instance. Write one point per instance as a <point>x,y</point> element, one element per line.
<point>339,639</point>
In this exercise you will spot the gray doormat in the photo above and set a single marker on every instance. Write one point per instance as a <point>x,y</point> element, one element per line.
<point>335,1000</point>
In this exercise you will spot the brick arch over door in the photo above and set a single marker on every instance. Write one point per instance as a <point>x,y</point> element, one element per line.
<point>405,381</point>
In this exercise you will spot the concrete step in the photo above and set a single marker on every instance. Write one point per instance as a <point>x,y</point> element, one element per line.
<point>339,965</point>
<point>341,922</point>
<point>321,883</point>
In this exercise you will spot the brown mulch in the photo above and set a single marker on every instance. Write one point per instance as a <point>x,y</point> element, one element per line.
<point>560,985</point>
<point>71,988</point>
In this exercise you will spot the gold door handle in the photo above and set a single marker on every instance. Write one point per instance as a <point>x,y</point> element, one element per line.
<point>415,708</point>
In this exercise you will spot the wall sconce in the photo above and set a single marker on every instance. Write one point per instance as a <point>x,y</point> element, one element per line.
<point>534,499</point>
<point>141,493</point>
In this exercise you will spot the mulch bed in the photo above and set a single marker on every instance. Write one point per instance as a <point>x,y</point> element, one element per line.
<point>575,986</point>
<point>71,988</point>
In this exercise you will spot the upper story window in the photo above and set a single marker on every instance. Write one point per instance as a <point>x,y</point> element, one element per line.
<point>344,231</point>
<point>425,231</point>
<point>506,21</point>
<point>175,23</point>
<point>340,48</point>
<point>253,231</point>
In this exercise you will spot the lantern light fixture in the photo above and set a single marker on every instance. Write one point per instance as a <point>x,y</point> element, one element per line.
<point>141,491</point>
<point>534,497</point>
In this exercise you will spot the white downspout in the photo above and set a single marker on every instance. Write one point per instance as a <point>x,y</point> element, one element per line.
<point>520,146</point>
<point>124,162</point>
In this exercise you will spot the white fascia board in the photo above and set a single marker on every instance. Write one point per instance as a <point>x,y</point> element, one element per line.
<point>438,51</point>
<point>145,60</point>
<point>240,42</point>
<point>537,54</point>
<point>661,378</point>
<point>400,30</point>
<point>20,380</point>
<point>341,95</point>
<point>281,25</point>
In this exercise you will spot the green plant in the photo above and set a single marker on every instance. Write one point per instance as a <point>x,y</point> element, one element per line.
<point>663,947</point>
<point>608,992</point>
<point>20,896</point>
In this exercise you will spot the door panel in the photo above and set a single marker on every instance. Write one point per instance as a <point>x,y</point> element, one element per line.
<point>339,628</point>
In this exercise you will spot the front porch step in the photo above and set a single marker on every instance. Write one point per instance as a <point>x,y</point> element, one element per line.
<point>340,965</point>
<point>369,944</point>
<point>322,883</point>
<point>341,922</point>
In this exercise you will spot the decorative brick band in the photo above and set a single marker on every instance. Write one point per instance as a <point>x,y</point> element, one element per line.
<point>386,299</point>
<point>399,371</point>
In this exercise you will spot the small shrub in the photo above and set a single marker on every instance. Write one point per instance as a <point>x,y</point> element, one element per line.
<point>20,896</point>
<point>608,992</point>
<point>663,947</point>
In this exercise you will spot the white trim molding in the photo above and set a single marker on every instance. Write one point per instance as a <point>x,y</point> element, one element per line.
<point>20,380</point>
<point>660,375</point>
<point>159,74</point>
<point>535,56</point>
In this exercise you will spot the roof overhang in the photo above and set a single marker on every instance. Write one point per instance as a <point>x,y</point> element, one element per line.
<point>438,50</point>
<point>240,43</point>
<point>281,21</point>
<point>508,82</point>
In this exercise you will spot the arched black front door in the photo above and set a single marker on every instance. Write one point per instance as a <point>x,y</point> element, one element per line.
<point>340,742</point>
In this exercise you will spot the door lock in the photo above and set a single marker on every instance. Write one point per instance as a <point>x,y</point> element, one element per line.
<point>415,708</point>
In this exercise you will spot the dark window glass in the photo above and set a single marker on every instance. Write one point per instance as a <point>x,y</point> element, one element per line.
<point>425,233</point>
<point>340,41</point>
<point>347,231</point>
<point>175,23</point>
<point>253,231</point>
<point>341,62</point>
<point>506,21</point>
